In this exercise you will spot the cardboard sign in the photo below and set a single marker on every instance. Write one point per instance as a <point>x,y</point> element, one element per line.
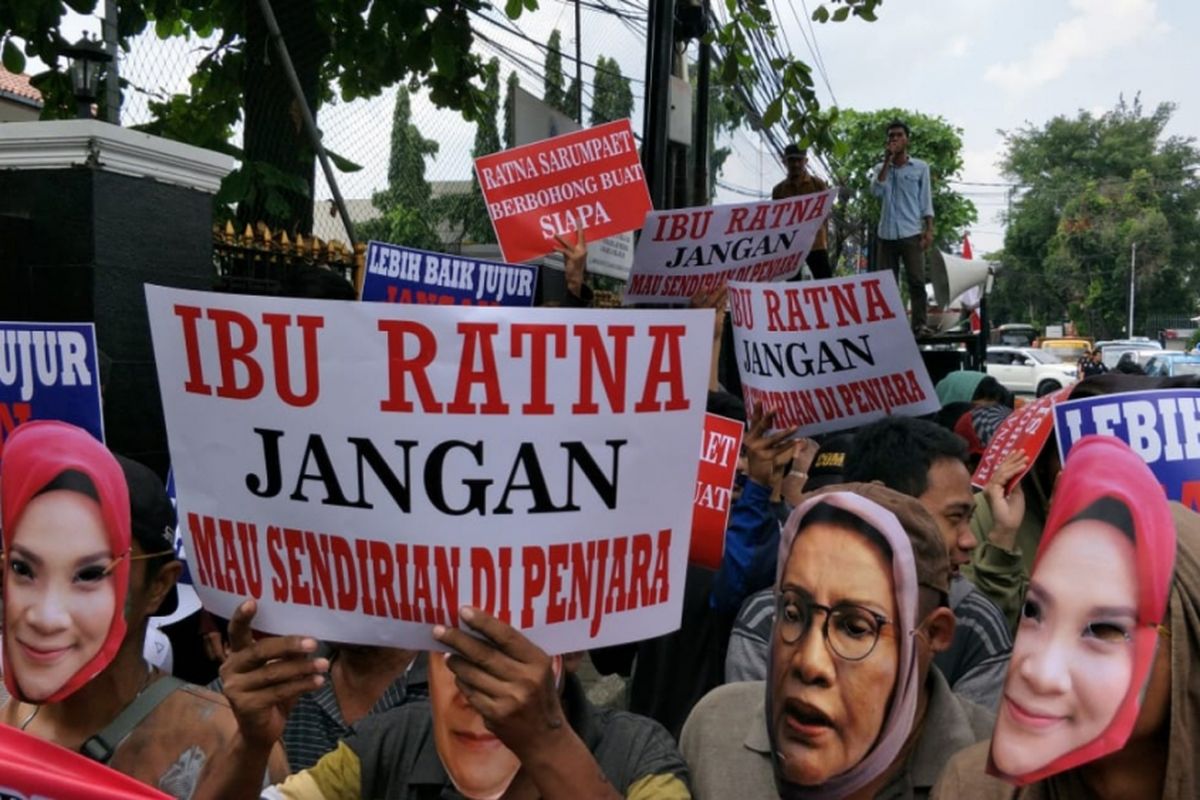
<point>398,274</point>
<point>33,769</point>
<point>1028,429</point>
<point>364,470</point>
<point>1163,427</point>
<point>49,371</point>
<point>688,250</point>
<point>719,451</point>
<point>828,355</point>
<point>537,191</point>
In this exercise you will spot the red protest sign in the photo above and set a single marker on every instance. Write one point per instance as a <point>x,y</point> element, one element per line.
<point>537,191</point>
<point>718,462</point>
<point>33,768</point>
<point>1028,429</point>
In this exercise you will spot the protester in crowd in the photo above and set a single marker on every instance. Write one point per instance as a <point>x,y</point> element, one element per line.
<point>925,461</point>
<point>922,460</point>
<point>746,657</point>
<point>88,556</point>
<point>1123,680</point>
<point>990,392</point>
<point>1009,524</point>
<point>674,671</point>
<point>977,427</point>
<point>496,691</point>
<point>958,386</point>
<point>363,680</point>
<point>906,218</point>
<point>800,181</point>
<point>853,705</point>
<point>1128,365</point>
<point>1092,364</point>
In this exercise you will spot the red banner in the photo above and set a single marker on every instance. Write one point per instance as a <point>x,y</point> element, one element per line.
<point>537,191</point>
<point>718,462</point>
<point>33,768</point>
<point>1028,428</point>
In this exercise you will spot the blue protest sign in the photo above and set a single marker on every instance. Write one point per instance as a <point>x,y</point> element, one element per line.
<point>49,371</point>
<point>1163,427</point>
<point>406,275</point>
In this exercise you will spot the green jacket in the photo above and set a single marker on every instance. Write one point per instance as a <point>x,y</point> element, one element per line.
<point>1003,575</point>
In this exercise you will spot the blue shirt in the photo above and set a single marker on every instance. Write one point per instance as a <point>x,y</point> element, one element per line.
<point>907,199</point>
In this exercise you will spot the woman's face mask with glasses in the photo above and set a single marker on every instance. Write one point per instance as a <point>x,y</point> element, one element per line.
<point>851,631</point>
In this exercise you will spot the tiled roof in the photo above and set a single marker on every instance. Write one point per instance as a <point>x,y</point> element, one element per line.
<point>18,86</point>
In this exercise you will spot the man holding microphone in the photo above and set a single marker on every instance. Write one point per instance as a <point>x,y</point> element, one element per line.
<point>906,219</point>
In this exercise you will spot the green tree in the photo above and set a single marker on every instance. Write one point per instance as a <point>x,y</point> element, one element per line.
<point>571,101</point>
<point>406,205</point>
<point>353,48</point>
<point>510,111</point>
<point>612,97</point>
<point>477,225</point>
<point>861,136</point>
<point>1090,188</point>
<point>552,89</point>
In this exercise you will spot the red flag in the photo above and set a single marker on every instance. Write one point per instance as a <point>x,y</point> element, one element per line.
<point>32,767</point>
<point>967,247</point>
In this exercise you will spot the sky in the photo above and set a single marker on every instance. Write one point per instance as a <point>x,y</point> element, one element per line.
<point>984,65</point>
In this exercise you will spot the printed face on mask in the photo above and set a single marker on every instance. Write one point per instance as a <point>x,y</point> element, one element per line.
<point>831,686</point>
<point>479,764</point>
<point>59,599</point>
<point>1072,661</point>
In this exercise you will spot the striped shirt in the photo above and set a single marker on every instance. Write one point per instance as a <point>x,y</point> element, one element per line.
<point>974,665</point>
<point>316,724</point>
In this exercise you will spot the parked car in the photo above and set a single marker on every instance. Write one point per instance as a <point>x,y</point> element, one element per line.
<point>1142,350</point>
<point>1169,364</point>
<point>1029,370</point>
<point>1068,348</point>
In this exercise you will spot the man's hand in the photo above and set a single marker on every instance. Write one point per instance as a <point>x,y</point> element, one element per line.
<point>766,455</point>
<point>926,239</point>
<point>264,679</point>
<point>574,259</point>
<point>1007,509</point>
<point>214,647</point>
<point>507,679</point>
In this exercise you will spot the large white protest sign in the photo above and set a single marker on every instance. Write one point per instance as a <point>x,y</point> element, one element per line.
<point>828,355</point>
<point>365,469</point>
<point>688,250</point>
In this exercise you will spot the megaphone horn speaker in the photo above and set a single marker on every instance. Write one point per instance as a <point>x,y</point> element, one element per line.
<point>952,275</point>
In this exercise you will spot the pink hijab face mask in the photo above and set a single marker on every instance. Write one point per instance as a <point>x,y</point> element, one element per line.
<point>64,508</point>
<point>1088,632</point>
<point>478,763</point>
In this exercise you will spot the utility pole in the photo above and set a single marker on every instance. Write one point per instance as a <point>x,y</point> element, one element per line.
<point>700,136</point>
<point>660,46</point>
<point>112,83</point>
<point>1132,285</point>
<point>578,65</point>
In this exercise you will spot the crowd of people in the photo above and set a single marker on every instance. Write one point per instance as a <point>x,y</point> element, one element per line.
<point>877,628</point>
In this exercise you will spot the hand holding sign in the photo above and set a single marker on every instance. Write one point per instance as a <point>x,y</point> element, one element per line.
<point>767,455</point>
<point>574,259</point>
<point>1008,509</point>
<point>263,680</point>
<point>507,679</point>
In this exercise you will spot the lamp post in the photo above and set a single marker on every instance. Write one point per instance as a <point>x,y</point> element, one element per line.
<point>1132,284</point>
<point>87,59</point>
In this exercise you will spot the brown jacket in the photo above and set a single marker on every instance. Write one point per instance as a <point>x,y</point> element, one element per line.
<point>809,184</point>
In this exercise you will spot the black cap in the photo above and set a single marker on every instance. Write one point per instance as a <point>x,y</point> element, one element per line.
<point>829,465</point>
<point>794,151</point>
<point>152,515</point>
